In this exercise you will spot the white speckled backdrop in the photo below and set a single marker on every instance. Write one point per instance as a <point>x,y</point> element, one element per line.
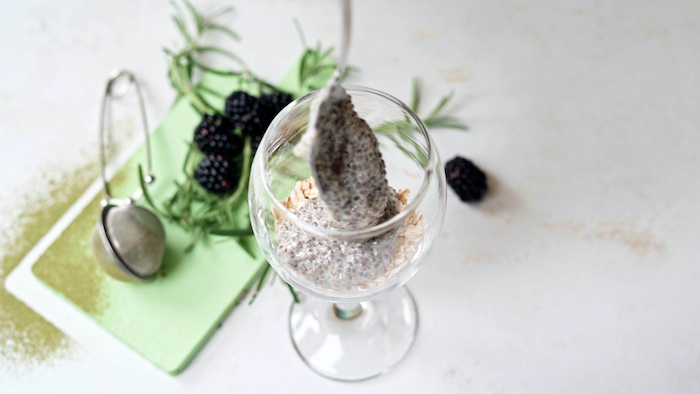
<point>578,274</point>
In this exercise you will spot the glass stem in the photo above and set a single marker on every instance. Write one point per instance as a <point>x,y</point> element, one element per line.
<point>347,311</point>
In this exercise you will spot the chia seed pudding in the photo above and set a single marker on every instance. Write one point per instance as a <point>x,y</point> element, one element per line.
<point>349,191</point>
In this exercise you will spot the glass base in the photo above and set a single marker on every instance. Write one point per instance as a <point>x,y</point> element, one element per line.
<point>343,343</point>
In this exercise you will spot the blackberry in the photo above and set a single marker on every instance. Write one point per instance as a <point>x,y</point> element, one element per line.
<point>466,179</point>
<point>239,104</point>
<point>252,124</point>
<point>271,104</point>
<point>256,122</point>
<point>216,174</point>
<point>214,135</point>
<point>255,142</point>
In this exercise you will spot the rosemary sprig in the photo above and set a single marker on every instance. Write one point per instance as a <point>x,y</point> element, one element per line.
<point>436,119</point>
<point>316,65</point>
<point>187,59</point>
<point>184,61</point>
<point>398,132</point>
<point>191,206</point>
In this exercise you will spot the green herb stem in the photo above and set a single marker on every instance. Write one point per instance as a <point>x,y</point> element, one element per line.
<point>185,87</point>
<point>245,175</point>
<point>183,62</point>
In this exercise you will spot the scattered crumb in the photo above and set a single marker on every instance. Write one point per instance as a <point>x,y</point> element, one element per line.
<point>639,241</point>
<point>478,255</point>
<point>454,75</point>
<point>454,376</point>
<point>424,34</point>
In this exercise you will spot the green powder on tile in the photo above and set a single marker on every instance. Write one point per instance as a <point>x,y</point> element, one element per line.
<point>85,282</point>
<point>25,337</point>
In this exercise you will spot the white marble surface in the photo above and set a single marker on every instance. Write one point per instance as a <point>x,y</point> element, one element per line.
<point>578,274</point>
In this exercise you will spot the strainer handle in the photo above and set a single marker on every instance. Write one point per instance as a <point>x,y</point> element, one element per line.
<point>110,92</point>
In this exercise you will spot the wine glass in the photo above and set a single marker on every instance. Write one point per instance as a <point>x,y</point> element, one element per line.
<point>359,331</point>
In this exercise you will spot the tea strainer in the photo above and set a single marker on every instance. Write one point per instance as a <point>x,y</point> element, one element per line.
<point>129,240</point>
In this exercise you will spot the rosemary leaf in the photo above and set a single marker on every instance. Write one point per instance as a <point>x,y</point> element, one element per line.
<point>300,31</point>
<point>210,91</point>
<point>190,149</point>
<point>232,232</point>
<point>415,95</point>
<point>418,158</point>
<point>183,30</point>
<point>221,12</point>
<point>445,122</point>
<point>327,52</point>
<point>195,238</point>
<point>206,103</point>
<point>177,9</point>
<point>444,119</point>
<point>443,102</point>
<point>303,68</point>
<point>245,173</point>
<point>213,70</point>
<point>189,68</point>
<point>261,283</point>
<point>198,20</point>
<point>223,52</point>
<point>294,293</point>
<point>265,84</point>
<point>224,29</point>
<point>459,126</point>
<point>245,244</point>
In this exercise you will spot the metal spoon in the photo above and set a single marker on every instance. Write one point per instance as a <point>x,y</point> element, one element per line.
<point>345,43</point>
<point>129,241</point>
<point>329,93</point>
